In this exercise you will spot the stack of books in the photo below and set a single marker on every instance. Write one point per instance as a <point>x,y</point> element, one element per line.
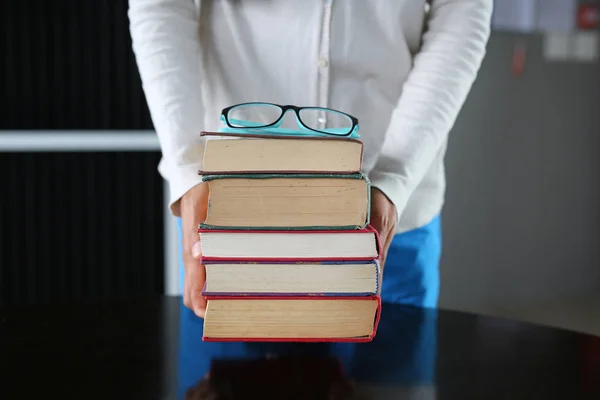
<point>287,245</point>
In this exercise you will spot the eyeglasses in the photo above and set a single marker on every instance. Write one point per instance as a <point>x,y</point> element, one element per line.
<point>310,120</point>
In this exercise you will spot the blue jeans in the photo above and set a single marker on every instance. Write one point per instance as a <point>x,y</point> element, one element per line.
<point>411,274</point>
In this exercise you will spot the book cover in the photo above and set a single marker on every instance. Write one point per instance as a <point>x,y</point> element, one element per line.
<point>375,263</point>
<point>368,228</point>
<point>278,137</point>
<point>360,176</point>
<point>364,339</point>
<point>232,135</point>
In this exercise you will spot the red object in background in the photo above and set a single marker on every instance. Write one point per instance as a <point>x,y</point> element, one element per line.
<point>518,61</point>
<point>588,16</point>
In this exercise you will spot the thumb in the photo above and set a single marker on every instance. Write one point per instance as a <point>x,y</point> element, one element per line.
<point>197,250</point>
<point>195,276</point>
<point>193,208</point>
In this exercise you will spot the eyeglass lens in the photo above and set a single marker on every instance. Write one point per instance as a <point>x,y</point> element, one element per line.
<point>324,120</point>
<point>253,115</point>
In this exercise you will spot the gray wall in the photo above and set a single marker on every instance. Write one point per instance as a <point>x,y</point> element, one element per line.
<point>521,221</point>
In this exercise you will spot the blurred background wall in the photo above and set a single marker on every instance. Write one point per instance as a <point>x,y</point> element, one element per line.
<point>521,221</point>
<point>522,218</point>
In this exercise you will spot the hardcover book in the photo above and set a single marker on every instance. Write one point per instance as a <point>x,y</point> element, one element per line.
<point>256,153</point>
<point>291,319</point>
<point>336,278</point>
<point>289,245</point>
<point>290,201</point>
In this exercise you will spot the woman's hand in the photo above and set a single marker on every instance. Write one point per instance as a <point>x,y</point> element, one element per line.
<point>383,219</point>
<point>193,207</point>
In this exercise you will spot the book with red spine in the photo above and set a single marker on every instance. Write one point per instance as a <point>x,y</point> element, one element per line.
<point>290,245</point>
<point>260,317</point>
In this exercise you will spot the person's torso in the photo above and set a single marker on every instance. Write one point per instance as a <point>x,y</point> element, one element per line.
<point>353,56</point>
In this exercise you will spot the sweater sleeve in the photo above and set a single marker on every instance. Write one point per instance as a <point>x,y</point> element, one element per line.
<point>166,44</point>
<point>443,72</point>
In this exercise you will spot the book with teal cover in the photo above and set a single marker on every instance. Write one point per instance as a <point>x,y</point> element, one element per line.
<point>360,176</point>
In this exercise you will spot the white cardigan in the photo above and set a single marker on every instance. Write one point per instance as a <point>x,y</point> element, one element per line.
<point>402,67</point>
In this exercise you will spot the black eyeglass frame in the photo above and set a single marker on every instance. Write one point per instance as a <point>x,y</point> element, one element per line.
<point>284,109</point>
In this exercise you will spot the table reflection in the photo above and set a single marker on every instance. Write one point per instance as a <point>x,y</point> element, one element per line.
<point>399,362</point>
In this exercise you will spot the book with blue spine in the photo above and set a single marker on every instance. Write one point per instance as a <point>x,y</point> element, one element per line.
<point>279,278</point>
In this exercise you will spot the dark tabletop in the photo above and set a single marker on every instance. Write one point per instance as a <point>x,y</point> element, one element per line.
<point>153,349</point>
